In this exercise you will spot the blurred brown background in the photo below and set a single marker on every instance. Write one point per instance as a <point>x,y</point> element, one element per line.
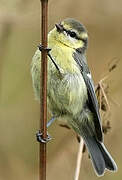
<point>19,112</point>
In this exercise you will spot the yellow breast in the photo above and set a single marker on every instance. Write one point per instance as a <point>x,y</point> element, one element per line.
<point>63,56</point>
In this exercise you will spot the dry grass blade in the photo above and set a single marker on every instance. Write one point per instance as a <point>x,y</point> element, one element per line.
<point>79,158</point>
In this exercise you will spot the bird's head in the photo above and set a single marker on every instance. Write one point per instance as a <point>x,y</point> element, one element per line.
<point>71,33</point>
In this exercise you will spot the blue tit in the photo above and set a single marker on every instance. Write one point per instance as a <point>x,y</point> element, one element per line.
<point>71,92</point>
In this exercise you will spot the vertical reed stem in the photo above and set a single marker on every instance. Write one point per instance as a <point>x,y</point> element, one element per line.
<point>43,88</point>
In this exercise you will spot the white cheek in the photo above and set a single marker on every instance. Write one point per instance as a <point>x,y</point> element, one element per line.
<point>73,40</point>
<point>65,33</point>
<point>69,38</point>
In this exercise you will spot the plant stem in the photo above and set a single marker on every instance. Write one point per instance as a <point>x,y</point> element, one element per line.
<point>79,158</point>
<point>43,89</point>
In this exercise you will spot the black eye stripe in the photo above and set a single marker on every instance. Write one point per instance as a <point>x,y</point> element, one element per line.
<point>76,37</point>
<point>71,33</point>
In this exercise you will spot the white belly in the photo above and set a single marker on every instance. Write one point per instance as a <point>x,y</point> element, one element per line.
<point>68,94</point>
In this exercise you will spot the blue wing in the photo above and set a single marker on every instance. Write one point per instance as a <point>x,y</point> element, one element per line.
<point>92,99</point>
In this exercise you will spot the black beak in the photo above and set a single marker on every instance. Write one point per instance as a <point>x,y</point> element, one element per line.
<point>59,27</point>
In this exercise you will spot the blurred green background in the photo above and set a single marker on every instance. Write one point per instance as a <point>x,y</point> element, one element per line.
<point>19,112</point>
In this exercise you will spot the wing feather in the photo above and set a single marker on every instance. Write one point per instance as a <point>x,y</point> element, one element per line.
<point>92,99</point>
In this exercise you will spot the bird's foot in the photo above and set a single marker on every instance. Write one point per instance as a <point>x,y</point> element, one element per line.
<point>41,48</point>
<point>39,136</point>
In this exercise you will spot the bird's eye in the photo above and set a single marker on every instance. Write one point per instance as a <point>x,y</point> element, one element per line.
<point>72,34</point>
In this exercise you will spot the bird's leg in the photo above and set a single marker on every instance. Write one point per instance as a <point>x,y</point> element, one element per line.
<point>39,134</point>
<point>41,47</point>
<point>51,121</point>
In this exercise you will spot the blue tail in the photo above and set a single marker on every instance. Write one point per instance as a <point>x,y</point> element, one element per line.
<point>100,157</point>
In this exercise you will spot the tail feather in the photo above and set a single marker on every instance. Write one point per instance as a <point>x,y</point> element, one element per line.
<point>109,162</point>
<point>100,157</point>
